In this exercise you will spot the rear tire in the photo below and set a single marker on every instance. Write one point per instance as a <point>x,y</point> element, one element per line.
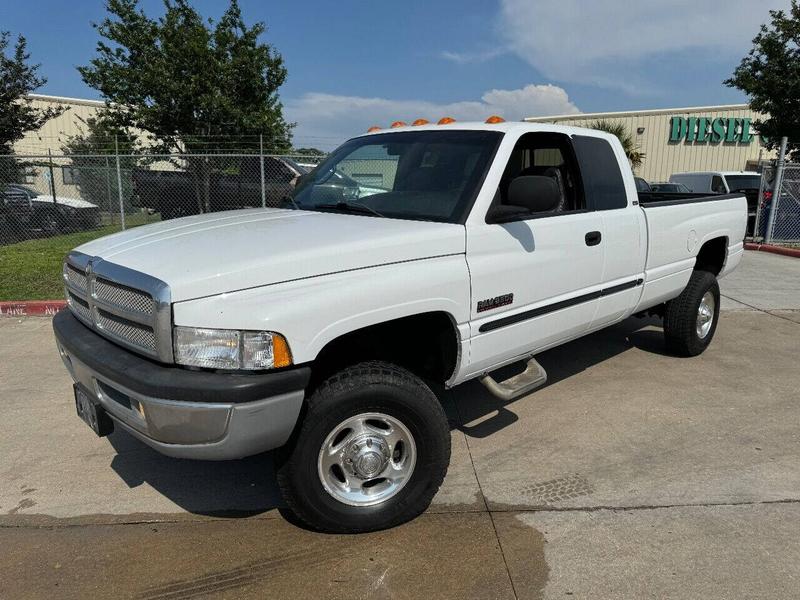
<point>330,474</point>
<point>690,320</point>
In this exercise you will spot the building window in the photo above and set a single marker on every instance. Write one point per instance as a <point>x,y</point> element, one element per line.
<point>69,175</point>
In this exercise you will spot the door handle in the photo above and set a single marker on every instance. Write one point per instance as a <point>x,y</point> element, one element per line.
<point>593,238</point>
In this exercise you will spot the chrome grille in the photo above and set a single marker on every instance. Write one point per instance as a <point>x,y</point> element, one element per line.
<point>76,279</point>
<point>79,306</point>
<point>134,333</point>
<point>129,307</point>
<point>123,297</point>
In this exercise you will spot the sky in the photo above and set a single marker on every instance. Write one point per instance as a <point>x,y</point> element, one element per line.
<point>356,63</point>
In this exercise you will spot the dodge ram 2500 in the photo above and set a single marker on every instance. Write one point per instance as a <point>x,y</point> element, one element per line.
<point>410,260</point>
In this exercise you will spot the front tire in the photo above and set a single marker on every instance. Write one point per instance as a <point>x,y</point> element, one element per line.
<point>371,452</point>
<point>690,320</point>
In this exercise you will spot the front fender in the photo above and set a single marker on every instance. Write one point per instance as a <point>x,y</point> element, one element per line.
<point>314,311</point>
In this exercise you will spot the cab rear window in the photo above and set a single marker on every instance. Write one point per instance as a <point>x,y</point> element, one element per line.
<point>603,186</point>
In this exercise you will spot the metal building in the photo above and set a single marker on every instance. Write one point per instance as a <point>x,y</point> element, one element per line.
<point>55,132</point>
<point>674,140</point>
<point>52,136</point>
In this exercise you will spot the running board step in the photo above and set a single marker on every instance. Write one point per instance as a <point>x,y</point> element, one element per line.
<point>532,377</point>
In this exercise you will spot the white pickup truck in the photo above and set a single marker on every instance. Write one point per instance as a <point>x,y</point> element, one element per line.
<point>411,260</point>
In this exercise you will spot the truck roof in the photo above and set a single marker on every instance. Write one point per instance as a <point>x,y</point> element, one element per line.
<point>505,127</point>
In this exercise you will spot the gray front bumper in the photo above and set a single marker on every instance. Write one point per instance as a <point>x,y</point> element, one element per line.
<point>183,413</point>
<point>199,430</point>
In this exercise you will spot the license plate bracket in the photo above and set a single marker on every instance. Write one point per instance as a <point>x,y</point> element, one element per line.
<point>91,412</point>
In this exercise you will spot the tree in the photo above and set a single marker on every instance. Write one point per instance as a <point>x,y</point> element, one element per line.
<point>18,78</point>
<point>770,76</point>
<point>632,150</point>
<point>93,158</point>
<point>308,152</point>
<point>188,82</point>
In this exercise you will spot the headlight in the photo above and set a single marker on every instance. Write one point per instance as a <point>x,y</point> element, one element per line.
<point>230,349</point>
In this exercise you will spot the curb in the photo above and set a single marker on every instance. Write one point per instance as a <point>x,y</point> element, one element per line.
<point>793,252</point>
<point>31,308</point>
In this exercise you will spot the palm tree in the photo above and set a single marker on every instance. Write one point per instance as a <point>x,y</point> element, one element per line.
<point>632,150</point>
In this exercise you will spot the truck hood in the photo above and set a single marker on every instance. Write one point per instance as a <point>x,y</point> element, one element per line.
<point>215,253</point>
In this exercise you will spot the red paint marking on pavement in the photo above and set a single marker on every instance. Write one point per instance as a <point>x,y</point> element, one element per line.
<point>793,252</point>
<point>30,308</point>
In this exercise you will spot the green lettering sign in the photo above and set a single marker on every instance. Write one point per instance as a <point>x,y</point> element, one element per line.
<point>730,137</point>
<point>677,129</point>
<point>691,134</point>
<point>717,131</point>
<point>702,130</point>
<point>746,137</point>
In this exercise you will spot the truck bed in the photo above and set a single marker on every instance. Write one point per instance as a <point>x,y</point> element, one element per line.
<point>649,198</point>
<point>677,227</point>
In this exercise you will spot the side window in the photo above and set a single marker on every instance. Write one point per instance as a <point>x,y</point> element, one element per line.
<point>717,185</point>
<point>548,155</point>
<point>602,179</point>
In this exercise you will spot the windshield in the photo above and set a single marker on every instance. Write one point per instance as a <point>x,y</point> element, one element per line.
<point>743,182</point>
<point>421,175</point>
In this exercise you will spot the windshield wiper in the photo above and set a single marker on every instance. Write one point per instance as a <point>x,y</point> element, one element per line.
<point>354,207</point>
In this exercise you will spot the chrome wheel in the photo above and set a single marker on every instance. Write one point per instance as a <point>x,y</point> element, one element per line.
<point>367,459</point>
<point>705,314</point>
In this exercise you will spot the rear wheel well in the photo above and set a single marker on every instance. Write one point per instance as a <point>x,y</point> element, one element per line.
<point>426,344</point>
<point>712,255</point>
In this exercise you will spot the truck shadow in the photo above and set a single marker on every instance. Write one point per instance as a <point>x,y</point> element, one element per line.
<point>237,488</point>
<point>248,487</point>
<point>472,403</point>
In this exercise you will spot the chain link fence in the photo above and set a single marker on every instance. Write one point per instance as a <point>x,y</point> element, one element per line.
<point>784,226</point>
<point>48,195</point>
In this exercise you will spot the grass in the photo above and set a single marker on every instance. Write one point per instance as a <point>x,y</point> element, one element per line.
<point>31,270</point>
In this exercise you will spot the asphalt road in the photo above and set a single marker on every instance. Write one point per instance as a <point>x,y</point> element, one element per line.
<point>632,474</point>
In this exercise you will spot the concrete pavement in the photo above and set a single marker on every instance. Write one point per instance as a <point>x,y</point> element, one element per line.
<point>631,474</point>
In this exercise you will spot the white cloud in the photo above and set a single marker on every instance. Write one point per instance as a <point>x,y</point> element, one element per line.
<point>325,120</point>
<point>463,58</point>
<point>601,41</point>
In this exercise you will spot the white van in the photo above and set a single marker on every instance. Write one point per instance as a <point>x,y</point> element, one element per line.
<point>718,182</point>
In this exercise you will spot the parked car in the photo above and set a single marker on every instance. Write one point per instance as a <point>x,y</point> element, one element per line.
<point>725,182</point>
<point>175,193</point>
<point>324,329</point>
<point>31,213</point>
<point>669,187</point>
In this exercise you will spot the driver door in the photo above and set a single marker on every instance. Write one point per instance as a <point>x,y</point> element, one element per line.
<point>535,281</point>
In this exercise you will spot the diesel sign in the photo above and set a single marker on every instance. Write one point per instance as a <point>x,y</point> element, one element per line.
<point>707,130</point>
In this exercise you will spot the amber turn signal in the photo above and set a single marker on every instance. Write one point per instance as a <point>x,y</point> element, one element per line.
<point>281,355</point>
